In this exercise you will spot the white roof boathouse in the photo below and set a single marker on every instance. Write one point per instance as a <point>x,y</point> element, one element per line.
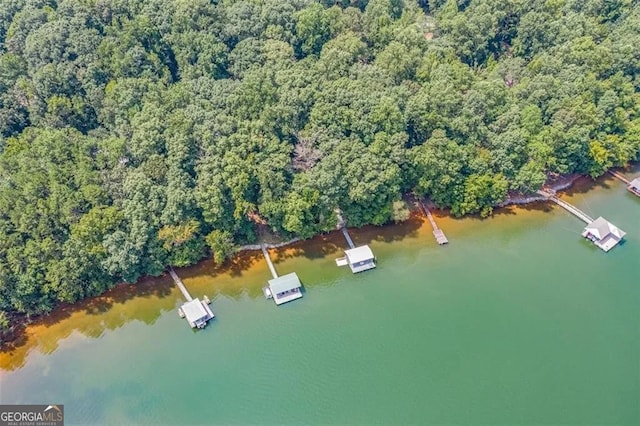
<point>359,259</point>
<point>603,234</point>
<point>196,312</point>
<point>285,288</point>
<point>634,186</point>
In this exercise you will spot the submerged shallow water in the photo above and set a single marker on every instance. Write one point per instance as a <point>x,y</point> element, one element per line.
<point>517,320</point>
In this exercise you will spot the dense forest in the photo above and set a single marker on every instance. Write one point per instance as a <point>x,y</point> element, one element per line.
<point>135,134</point>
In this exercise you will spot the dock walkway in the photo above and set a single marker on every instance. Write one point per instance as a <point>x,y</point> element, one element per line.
<point>269,262</point>
<point>180,284</point>
<point>568,207</point>
<point>347,237</point>
<point>619,176</point>
<point>437,232</point>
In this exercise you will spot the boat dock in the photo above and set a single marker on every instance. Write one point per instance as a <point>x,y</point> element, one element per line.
<point>437,232</point>
<point>281,289</point>
<point>602,233</point>
<point>196,312</point>
<point>357,258</point>
<point>568,207</point>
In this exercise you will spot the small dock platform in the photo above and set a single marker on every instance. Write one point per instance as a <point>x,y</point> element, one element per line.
<point>437,232</point>
<point>342,261</point>
<point>197,312</point>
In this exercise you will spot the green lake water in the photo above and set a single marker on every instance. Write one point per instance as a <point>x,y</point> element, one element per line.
<point>518,320</point>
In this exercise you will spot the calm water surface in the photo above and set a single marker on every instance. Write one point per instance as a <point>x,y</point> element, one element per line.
<point>517,321</point>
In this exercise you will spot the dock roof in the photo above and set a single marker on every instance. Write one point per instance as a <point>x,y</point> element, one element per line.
<point>600,228</point>
<point>284,283</point>
<point>635,183</point>
<point>359,254</point>
<point>194,311</point>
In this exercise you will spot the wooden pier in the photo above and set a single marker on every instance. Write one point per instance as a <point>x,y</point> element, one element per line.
<point>269,262</point>
<point>632,185</point>
<point>619,177</point>
<point>180,284</point>
<point>347,237</point>
<point>437,232</point>
<point>568,207</point>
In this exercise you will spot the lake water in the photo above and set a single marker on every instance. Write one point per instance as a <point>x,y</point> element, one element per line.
<point>518,320</point>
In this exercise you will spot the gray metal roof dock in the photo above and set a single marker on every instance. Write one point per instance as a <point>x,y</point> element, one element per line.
<point>360,259</point>
<point>197,313</point>
<point>285,288</point>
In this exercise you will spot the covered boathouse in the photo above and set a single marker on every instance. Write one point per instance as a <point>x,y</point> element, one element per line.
<point>603,234</point>
<point>285,288</point>
<point>634,186</point>
<point>197,313</point>
<point>360,259</point>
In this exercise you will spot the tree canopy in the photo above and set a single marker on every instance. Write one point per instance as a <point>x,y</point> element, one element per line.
<point>135,134</point>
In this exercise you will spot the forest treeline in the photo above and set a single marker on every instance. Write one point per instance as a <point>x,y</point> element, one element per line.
<point>141,133</point>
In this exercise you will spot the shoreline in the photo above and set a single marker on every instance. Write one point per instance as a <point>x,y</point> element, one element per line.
<point>555,185</point>
<point>515,199</point>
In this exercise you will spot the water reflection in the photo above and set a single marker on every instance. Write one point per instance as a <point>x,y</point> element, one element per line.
<point>243,275</point>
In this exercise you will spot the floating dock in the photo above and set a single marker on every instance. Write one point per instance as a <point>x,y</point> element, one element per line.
<point>196,312</point>
<point>358,258</point>
<point>437,232</point>
<point>281,289</point>
<point>600,232</point>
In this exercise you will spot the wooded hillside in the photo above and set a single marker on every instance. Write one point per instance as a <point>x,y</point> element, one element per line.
<point>141,133</point>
